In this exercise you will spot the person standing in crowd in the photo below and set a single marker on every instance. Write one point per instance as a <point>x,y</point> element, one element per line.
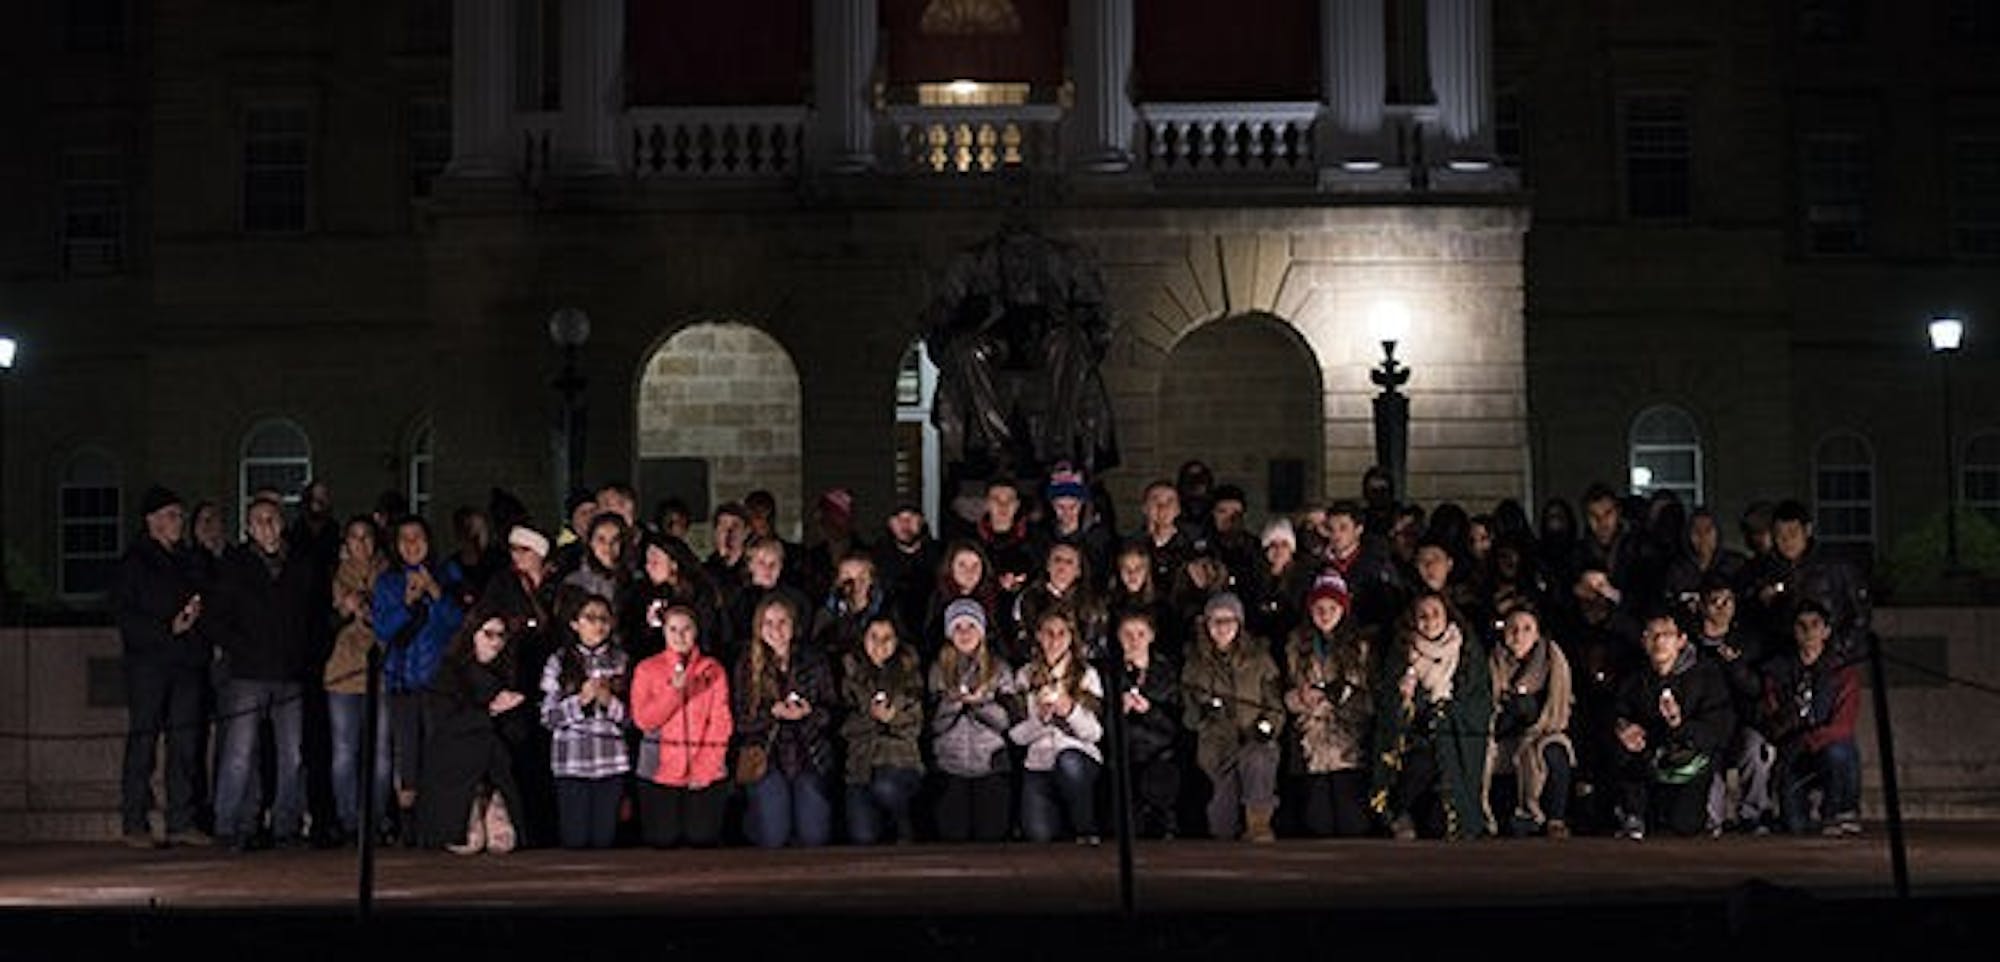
<point>1433,716</point>
<point>579,509</point>
<point>1437,572</point>
<point>761,511</point>
<point>477,558</point>
<point>763,578</point>
<point>785,698</point>
<point>264,603</point>
<point>602,572</point>
<point>1799,570</point>
<point>1739,651</point>
<point>673,518</point>
<point>1003,536</point>
<point>680,703</point>
<point>882,691</point>
<point>1371,578</point>
<point>906,565</point>
<point>1168,547</point>
<point>1608,561</point>
<point>1528,767</point>
<point>1060,730</point>
<point>315,533</point>
<point>1193,487</point>
<point>1237,712</point>
<point>156,598</point>
<point>837,540</point>
<point>524,595</point>
<point>583,688</point>
<point>1063,582</point>
<point>468,802</point>
<point>345,677</point>
<point>1133,591</point>
<point>852,602</point>
<point>1674,721</point>
<point>1274,587</point>
<point>729,534</point>
<point>972,694</point>
<point>619,498</point>
<point>670,574</point>
<point>1330,671</point>
<point>1229,537</point>
<point>207,533</point>
<point>1152,707</point>
<point>416,613</point>
<point>1700,558</point>
<point>965,573</point>
<point>1071,520</point>
<point>1813,697</point>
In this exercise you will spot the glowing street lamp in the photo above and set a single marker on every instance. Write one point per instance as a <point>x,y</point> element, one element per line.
<point>1947,333</point>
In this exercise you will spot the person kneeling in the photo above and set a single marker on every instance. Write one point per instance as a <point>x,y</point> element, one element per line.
<point>1811,699</point>
<point>1060,733</point>
<point>1674,719</point>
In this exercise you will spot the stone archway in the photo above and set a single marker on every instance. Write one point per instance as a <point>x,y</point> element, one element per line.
<point>718,417</point>
<point>1244,395</point>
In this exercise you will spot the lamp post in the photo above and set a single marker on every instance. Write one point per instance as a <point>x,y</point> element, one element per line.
<point>569,328</point>
<point>1390,324</point>
<point>1946,335</point>
<point>8,348</point>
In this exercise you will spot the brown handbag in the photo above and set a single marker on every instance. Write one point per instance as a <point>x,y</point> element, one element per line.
<point>751,763</point>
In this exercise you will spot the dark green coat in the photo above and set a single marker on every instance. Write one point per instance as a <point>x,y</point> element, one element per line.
<point>1456,730</point>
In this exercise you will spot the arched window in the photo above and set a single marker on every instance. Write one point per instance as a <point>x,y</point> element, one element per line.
<point>1666,453</point>
<point>1979,477</point>
<point>418,480</point>
<point>1844,490</point>
<point>277,457</point>
<point>91,533</point>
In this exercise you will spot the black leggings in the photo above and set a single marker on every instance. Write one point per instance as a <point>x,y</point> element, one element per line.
<point>974,809</point>
<point>1335,804</point>
<point>681,816</point>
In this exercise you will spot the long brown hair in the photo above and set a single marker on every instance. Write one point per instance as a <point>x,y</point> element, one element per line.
<point>1041,674</point>
<point>764,669</point>
<point>951,666</point>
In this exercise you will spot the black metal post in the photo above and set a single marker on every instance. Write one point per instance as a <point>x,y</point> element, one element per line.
<point>571,384</point>
<point>6,586</point>
<point>1885,746</point>
<point>371,706</point>
<point>1950,471</point>
<point>1121,780</point>
<point>1392,419</point>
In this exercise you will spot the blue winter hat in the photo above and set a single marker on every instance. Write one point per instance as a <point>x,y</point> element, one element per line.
<point>1067,482</point>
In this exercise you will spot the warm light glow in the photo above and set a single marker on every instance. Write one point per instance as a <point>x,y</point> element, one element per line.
<point>1470,164</point>
<point>1361,164</point>
<point>1642,477</point>
<point>7,348</point>
<point>963,88</point>
<point>1946,333</point>
<point>1390,321</point>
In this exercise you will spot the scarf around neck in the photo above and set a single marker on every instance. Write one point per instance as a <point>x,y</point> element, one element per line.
<point>1525,676</point>
<point>1435,662</point>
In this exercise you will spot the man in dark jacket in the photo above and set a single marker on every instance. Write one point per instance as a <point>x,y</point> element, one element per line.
<point>906,565</point>
<point>157,603</point>
<point>1812,700</point>
<point>263,609</point>
<point>1673,722</point>
<point>1799,571</point>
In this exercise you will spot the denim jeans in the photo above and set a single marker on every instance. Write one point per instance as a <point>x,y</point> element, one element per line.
<point>1753,760</point>
<point>1070,788</point>
<point>787,809</point>
<point>163,701</point>
<point>244,703</point>
<point>344,714</point>
<point>1835,770</point>
<point>879,809</point>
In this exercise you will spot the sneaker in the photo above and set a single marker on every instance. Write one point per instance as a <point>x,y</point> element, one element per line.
<point>1403,829</point>
<point>139,838</point>
<point>1557,828</point>
<point>1848,823</point>
<point>190,838</point>
<point>1633,828</point>
<point>1089,840</point>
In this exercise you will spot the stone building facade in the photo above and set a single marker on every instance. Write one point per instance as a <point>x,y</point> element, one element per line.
<point>258,242</point>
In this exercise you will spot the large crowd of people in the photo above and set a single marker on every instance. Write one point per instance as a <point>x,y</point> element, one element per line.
<point>1365,668</point>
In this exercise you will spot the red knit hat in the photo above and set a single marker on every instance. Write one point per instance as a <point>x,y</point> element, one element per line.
<point>1328,585</point>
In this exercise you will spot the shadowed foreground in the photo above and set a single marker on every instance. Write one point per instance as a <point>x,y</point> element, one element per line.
<point>1194,898</point>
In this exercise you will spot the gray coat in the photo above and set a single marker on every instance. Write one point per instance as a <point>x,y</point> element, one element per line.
<point>970,740</point>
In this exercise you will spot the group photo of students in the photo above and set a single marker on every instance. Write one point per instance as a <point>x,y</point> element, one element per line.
<point>1366,668</point>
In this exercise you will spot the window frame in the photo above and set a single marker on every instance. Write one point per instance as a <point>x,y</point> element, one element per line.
<point>115,521</point>
<point>1627,182</point>
<point>1690,493</point>
<point>289,498</point>
<point>248,169</point>
<point>1821,505</point>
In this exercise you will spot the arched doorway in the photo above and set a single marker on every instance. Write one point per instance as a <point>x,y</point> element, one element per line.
<point>718,418</point>
<point>1243,395</point>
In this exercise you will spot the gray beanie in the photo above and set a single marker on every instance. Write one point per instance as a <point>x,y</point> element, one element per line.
<point>965,608</point>
<point>1223,601</point>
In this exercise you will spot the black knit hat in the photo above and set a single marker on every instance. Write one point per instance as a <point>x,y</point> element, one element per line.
<point>157,497</point>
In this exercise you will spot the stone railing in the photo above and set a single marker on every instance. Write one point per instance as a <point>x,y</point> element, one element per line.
<point>976,140</point>
<point>535,146</point>
<point>716,142</point>
<point>1251,138</point>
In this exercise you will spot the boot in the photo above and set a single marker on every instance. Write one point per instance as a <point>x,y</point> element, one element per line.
<point>475,831</point>
<point>1257,825</point>
<point>499,826</point>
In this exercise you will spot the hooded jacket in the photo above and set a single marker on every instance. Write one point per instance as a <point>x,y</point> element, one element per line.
<point>1228,694</point>
<point>686,731</point>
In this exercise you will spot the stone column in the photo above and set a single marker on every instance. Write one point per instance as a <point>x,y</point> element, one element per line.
<point>593,91</point>
<point>482,87</point>
<point>1102,118</point>
<point>1461,61</point>
<point>1353,81</point>
<point>844,33</point>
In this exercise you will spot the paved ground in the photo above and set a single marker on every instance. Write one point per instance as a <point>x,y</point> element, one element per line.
<point>98,898</point>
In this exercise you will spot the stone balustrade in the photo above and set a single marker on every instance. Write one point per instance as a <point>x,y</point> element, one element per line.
<point>716,142</point>
<point>1229,137</point>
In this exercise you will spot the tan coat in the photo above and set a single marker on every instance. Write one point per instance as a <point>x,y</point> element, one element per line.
<point>1522,753</point>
